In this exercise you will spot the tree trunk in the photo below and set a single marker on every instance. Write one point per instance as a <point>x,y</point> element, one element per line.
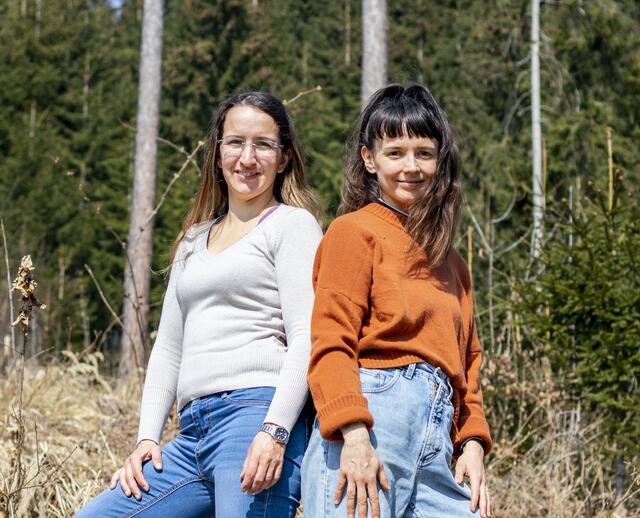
<point>139,241</point>
<point>347,32</point>
<point>374,47</point>
<point>536,131</point>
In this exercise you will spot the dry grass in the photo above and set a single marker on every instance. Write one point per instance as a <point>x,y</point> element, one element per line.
<point>78,427</point>
<point>87,424</point>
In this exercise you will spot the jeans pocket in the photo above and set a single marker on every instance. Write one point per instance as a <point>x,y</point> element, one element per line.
<point>378,380</point>
<point>254,396</point>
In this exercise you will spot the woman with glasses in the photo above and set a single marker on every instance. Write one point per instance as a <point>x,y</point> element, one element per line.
<point>233,341</point>
<point>395,358</point>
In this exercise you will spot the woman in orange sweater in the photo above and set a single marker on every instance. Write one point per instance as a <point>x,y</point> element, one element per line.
<point>395,358</point>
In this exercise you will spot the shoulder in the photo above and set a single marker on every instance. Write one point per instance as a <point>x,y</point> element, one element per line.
<point>193,234</point>
<point>291,230</point>
<point>352,225</point>
<point>287,220</point>
<point>294,214</point>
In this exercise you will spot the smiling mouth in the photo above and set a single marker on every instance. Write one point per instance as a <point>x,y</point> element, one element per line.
<point>411,181</point>
<point>247,175</point>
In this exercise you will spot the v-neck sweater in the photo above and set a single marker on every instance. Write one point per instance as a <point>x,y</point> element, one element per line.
<point>235,319</point>
<point>377,305</point>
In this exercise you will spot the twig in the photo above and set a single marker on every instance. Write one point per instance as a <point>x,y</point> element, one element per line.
<point>179,149</point>
<point>173,180</point>
<point>13,332</point>
<point>287,102</point>
<point>610,157</point>
<point>485,244</point>
<point>104,299</point>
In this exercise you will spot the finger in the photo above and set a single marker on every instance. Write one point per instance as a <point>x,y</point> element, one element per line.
<point>114,479</point>
<point>248,474</point>
<point>156,457</point>
<point>489,507</point>
<point>342,480</point>
<point>483,500</point>
<point>260,477</point>
<point>351,499</point>
<point>270,478</point>
<point>362,500</point>
<point>131,481</point>
<point>136,469</point>
<point>278,472</point>
<point>460,469</point>
<point>245,463</point>
<point>384,480</point>
<point>372,491</point>
<point>474,482</point>
<point>123,482</point>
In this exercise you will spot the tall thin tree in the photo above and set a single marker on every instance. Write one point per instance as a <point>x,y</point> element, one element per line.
<point>536,132</point>
<point>139,241</point>
<point>374,47</point>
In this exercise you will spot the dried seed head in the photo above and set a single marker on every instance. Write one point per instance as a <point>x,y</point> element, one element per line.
<point>26,285</point>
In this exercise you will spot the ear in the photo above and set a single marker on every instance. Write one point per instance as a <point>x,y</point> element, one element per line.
<point>367,158</point>
<point>284,160</point>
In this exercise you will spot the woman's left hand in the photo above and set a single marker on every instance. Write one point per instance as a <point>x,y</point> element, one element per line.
<point>263,464</point>
<point>471,464</point>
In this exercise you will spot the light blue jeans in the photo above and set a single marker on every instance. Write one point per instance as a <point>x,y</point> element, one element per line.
<point>201,469</point>
<point>412,413</point>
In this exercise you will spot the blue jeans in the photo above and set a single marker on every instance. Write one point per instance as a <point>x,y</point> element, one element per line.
<point>412,413</point>
<point>202,465</point>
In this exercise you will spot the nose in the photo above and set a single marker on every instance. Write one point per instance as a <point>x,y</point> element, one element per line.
<point>411,163</point>
<point>248,155</point>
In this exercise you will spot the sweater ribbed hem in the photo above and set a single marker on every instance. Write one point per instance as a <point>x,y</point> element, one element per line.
<point>155,408</point>
<point>289,399</point>
<point>474,426</point>
<point>390,359</point>
<point>341,411</point>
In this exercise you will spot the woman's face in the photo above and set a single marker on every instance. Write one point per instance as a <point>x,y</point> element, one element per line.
<point>249,155</point>
<point>404,167</point>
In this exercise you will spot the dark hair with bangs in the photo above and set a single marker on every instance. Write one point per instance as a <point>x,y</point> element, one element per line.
<point>392,112</point>
<point>212,198</point>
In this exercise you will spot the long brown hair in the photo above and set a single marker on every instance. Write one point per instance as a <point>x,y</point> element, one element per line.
<point>212,198</point>
<point>392,112</point>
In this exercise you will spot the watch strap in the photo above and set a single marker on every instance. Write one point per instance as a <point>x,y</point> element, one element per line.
<point>278,433</point>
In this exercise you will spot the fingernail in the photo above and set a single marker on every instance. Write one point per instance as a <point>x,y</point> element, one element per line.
<point>158,466</point>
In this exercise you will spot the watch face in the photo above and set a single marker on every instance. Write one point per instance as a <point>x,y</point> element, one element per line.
<point>281,434</point>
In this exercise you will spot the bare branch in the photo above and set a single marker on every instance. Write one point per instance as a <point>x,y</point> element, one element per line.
<point>485,244</point>
<point>173,180</point>
<point>287,102</point>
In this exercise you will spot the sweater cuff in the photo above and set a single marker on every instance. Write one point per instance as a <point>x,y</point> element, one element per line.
<point>474,427</point>
<point>341,411</point>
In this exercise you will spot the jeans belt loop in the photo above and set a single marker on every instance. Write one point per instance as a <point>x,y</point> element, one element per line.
<point>411,369</point>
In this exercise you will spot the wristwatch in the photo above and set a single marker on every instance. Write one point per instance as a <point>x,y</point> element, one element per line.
<point>279,434</point>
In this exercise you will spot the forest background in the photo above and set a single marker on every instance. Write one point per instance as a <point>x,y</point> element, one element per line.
<point>560,331</point>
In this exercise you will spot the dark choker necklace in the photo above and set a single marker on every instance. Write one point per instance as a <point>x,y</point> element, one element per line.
<point>389,206</point>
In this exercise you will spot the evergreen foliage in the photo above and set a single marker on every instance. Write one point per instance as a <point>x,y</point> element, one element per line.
<point>583,312</point>
<point>68,87</point>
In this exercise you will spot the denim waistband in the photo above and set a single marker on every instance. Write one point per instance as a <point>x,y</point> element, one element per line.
<point>425,370</point>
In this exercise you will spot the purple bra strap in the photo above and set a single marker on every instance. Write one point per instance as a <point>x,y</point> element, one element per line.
<point>267,213</point>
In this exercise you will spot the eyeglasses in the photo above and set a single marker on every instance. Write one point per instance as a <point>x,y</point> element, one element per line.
<point>234,146</point>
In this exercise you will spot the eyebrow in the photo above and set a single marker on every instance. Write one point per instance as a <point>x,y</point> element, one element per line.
<point>389,147</point>
<point>259,137</point>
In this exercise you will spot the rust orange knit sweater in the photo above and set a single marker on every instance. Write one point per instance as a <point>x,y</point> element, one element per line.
<point>377,306</point>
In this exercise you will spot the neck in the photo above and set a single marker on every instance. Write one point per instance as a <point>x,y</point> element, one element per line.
<point>392,207</point>
<point>242,211</point>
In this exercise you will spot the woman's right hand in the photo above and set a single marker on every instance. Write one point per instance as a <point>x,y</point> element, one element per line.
<point>130,474</point>
<point>360,472</point>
